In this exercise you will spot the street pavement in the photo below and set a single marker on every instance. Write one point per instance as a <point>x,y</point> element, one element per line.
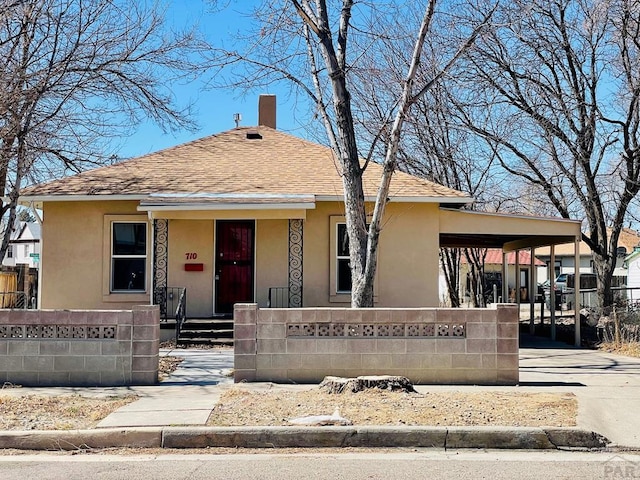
<point>269,464</point>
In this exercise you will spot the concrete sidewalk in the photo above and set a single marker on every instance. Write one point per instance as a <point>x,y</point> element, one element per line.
<point>607,387</point>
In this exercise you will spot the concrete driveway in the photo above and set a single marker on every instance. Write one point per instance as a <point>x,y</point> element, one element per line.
<point>607,385</point>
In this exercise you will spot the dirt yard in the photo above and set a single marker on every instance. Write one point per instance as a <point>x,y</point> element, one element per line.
<point>376,407</point>
<point>68,412</point>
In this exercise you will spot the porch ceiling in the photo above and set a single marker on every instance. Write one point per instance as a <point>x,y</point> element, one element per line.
<point>508,232</point>
<point>506,242</point>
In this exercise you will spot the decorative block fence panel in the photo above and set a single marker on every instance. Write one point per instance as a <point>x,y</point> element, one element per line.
<point>427,345</point>
<point>80,347</point>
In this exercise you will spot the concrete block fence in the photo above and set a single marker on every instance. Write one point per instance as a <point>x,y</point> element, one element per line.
<point>427,345</point>
<point>80,347</point>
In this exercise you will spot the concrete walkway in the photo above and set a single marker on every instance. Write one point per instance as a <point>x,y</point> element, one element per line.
<point>607,387</point>
<point>186,397</point>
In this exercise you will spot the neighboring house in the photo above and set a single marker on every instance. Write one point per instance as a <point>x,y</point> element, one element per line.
<point>565,260</point>
<point>234,215</point>
<point>24,246</point>
<point>632,264</point>
<point>493,268</point>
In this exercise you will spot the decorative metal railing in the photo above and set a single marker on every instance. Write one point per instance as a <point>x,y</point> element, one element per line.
<point>279,297</point>
<point>181,312</point>
<point>15,300</point>
<point>167,298</point>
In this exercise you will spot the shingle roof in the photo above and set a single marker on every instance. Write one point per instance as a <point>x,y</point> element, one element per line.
<point>230,163</point>
<point>629,239</point>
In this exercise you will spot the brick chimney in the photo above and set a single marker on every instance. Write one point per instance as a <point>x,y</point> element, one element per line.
<point>267,111</point>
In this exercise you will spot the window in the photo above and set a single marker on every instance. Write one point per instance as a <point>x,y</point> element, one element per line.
<point>10,251</point>
<point>343,265</point>
<point>340,264</point>
<point>128,256</point>
<point>26,251</point>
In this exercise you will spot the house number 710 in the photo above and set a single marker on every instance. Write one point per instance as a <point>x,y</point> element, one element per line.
<point>191,255</point>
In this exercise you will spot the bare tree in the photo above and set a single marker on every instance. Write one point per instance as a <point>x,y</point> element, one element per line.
<point>75,73</point>
<point>317,46</point>
<point>436,148</point>
<point>555,94</point>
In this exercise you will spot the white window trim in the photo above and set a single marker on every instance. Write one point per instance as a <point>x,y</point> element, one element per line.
<point>124,296</point>
<point>338,257</point>
<point>113,257</point>
<point>336,296</point>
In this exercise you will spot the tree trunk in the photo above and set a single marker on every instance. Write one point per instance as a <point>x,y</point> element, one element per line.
<point>475,260</point>
<point>353,385</point>
<point>450,261</point>
<point>603,267</point>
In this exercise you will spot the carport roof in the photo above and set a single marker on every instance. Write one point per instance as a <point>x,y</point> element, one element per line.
<point>509,232</point>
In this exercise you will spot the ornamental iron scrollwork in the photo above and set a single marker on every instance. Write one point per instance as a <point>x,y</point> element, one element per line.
<point>160,256</point>
<point>295,263</point>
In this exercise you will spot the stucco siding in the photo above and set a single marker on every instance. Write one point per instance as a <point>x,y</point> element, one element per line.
<point>189,239</point>
<point>272,257</point>
<point>73,267</point>
<point>76,256</point>
<point>408,260</point>
<point>316,253</point>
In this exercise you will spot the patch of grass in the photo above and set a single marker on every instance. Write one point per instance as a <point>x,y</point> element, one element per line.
<point>630,349</point>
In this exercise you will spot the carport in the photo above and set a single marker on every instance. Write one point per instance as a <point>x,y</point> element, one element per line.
<point>512,233</point>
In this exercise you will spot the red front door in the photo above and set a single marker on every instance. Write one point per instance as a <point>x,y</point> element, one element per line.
<point>234,263</point>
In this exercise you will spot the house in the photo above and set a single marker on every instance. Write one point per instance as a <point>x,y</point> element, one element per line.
<point>493,271</point>
<point>632,266</point>
<point>565,261</point>
<point>19,278</point>
<point>252,214</point>
<point>24,246</point>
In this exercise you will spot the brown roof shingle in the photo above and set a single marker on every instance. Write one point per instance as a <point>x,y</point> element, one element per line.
<point>230,163</point>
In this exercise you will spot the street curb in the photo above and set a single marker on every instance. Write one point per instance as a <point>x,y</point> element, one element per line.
<point>381,436</point>
<point>305,437</point>
<point>143,437</point>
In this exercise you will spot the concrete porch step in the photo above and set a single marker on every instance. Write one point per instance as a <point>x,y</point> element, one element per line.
<point>207,330</point>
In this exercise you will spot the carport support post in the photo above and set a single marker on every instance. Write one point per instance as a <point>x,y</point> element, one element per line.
<point>576,290</point>
<point>517,292</point>
<point>552,292</point>
<point>505,279</point>
<point>532,327</point>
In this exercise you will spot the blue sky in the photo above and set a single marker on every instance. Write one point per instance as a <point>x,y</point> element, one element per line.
<point>214,109</point>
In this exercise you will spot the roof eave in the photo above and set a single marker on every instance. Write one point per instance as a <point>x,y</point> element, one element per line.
<point>403,199</point>
<point>27,199</point>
